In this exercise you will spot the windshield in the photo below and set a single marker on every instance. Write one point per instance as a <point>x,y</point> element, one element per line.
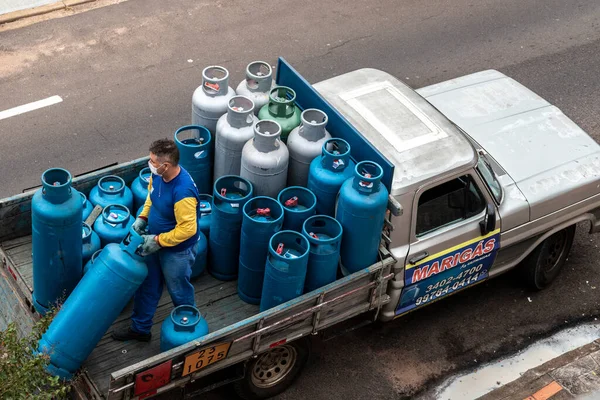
<point>490,178</point>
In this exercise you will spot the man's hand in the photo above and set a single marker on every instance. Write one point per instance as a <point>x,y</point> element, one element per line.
<point>150,245</point>
<point>139,226</point>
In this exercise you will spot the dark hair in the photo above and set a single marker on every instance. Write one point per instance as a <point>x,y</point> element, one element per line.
<point>166,148</point>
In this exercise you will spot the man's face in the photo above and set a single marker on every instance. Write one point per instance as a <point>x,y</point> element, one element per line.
<point>159,163</point>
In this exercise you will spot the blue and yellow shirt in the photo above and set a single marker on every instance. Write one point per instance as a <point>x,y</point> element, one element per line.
<point>171,211</point>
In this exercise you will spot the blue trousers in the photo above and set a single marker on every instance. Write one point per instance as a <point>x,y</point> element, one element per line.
<point>171,267</point>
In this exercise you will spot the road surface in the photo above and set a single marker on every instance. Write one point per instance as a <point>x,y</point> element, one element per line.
<point>126,72</point>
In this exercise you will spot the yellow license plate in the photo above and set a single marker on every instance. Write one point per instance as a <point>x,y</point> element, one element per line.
<point>205,357</point>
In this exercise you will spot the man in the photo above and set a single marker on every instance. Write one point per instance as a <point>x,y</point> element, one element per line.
<point>169,227</point>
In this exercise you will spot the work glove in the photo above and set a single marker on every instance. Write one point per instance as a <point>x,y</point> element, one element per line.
<point>139,226</point>
<point>150,245</point>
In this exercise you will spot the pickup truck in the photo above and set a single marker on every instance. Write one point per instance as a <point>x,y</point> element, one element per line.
<point>483,175</point>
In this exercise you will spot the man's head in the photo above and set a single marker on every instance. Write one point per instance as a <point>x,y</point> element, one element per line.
<point>163,156</point>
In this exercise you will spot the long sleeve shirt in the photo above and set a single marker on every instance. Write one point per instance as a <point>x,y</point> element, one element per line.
<point>171,210</point>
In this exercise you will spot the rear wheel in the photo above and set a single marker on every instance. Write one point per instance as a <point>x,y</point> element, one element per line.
<point>273,371</point>
<point>544,263</point>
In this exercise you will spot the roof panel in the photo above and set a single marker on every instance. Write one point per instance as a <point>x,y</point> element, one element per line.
<point>408,131</point>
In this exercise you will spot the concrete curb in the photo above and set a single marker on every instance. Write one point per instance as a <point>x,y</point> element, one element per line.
<point>32,12</point>
<point>538,377</point>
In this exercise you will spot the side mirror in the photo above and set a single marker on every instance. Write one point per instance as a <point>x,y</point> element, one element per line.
<point>489,220</point>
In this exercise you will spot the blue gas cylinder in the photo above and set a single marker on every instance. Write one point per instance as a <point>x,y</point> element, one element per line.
<point>93,306</point>
<point>139,188</point>
<point>325,236</point>
<point>263,217</point>
<point>183,325</point>
<point>328,172</point>
<point>87,206</point>
<point>361,211</point>
<point>56,218</point>
<point>285,269</point>
<point>91,243</point>
<point>91,263</point>
<point>195,155</point>
<point>111,189</point>
<point>113,224</point>
<point>229,196</point>
<point>298,203</point>
<point>201,256</point>
<point>205,210</point>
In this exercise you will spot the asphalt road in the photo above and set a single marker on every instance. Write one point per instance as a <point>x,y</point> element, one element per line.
<point>126,74</point>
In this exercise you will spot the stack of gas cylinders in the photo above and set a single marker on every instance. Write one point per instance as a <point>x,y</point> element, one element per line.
<point>289,204</point>
<point>283,209</point>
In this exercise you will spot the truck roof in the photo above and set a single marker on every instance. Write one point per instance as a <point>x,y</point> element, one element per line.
<point>413,135</point>
<point>553,162</point>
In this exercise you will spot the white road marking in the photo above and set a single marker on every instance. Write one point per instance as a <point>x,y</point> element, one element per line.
<point>11,112</point>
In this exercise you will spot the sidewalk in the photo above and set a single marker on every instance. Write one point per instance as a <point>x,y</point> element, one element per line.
<point>7,6</point>
<point>575,374</point>
<point>12,10</point>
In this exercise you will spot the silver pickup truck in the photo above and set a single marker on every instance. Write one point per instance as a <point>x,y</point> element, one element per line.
<point>483,176</point>
<point>488,176</point>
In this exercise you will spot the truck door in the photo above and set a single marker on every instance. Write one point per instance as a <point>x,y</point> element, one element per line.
<point>453,240</point>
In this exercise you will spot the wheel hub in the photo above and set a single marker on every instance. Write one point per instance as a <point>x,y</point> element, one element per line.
<point>555,250</point>
<point>273,366</point>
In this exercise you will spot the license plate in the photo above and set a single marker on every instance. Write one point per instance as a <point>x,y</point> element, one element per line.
<point>205,357</point>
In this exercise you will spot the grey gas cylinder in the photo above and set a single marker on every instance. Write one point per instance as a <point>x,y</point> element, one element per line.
<point>258,84</point>
<point>265,159</point>
<point>210,99</point>
<point>305,143</point>
<point>234,129</point>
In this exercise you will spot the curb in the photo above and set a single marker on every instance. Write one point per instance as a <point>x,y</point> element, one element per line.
<point>32,12</point>
<point>536,377</point>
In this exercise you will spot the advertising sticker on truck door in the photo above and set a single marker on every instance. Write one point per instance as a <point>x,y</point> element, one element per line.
<point>448,271</point>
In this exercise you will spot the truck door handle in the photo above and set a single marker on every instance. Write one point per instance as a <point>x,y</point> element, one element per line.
<point>415,259</point>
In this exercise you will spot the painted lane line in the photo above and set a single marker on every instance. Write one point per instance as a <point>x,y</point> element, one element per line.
<point>11,112</point>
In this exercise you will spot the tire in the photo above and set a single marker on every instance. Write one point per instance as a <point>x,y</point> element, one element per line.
<point>284,364</point>
<point>544,263</point>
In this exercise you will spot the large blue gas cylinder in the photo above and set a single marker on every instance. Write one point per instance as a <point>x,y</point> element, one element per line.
<point>113,224</point>
<point>361,211</point>
<point>328,172</point>
<point>111,189</point>
<point>285,270</point>
<point>91,263</point>
<point>205,210</point>
<point>201,256</point>
<point>183,325</point>
<point>91,243</point>
<point>139,188</point>
<point>229,196</point>
<point>263,217</point>
<point>298,203</point>
<point>87,206</point>
<point>93,306</point>
<point>56,217</point>
<point>325,236</point>
<point>196,155</point>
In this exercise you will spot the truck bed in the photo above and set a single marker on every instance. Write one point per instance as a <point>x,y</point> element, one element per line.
<point>218,301</point>
<point>113,367</point>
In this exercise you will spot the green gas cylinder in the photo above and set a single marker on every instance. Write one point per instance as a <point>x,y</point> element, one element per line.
<point>282,109</point>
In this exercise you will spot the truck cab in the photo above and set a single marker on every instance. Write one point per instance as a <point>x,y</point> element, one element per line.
<point>487,176</point>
